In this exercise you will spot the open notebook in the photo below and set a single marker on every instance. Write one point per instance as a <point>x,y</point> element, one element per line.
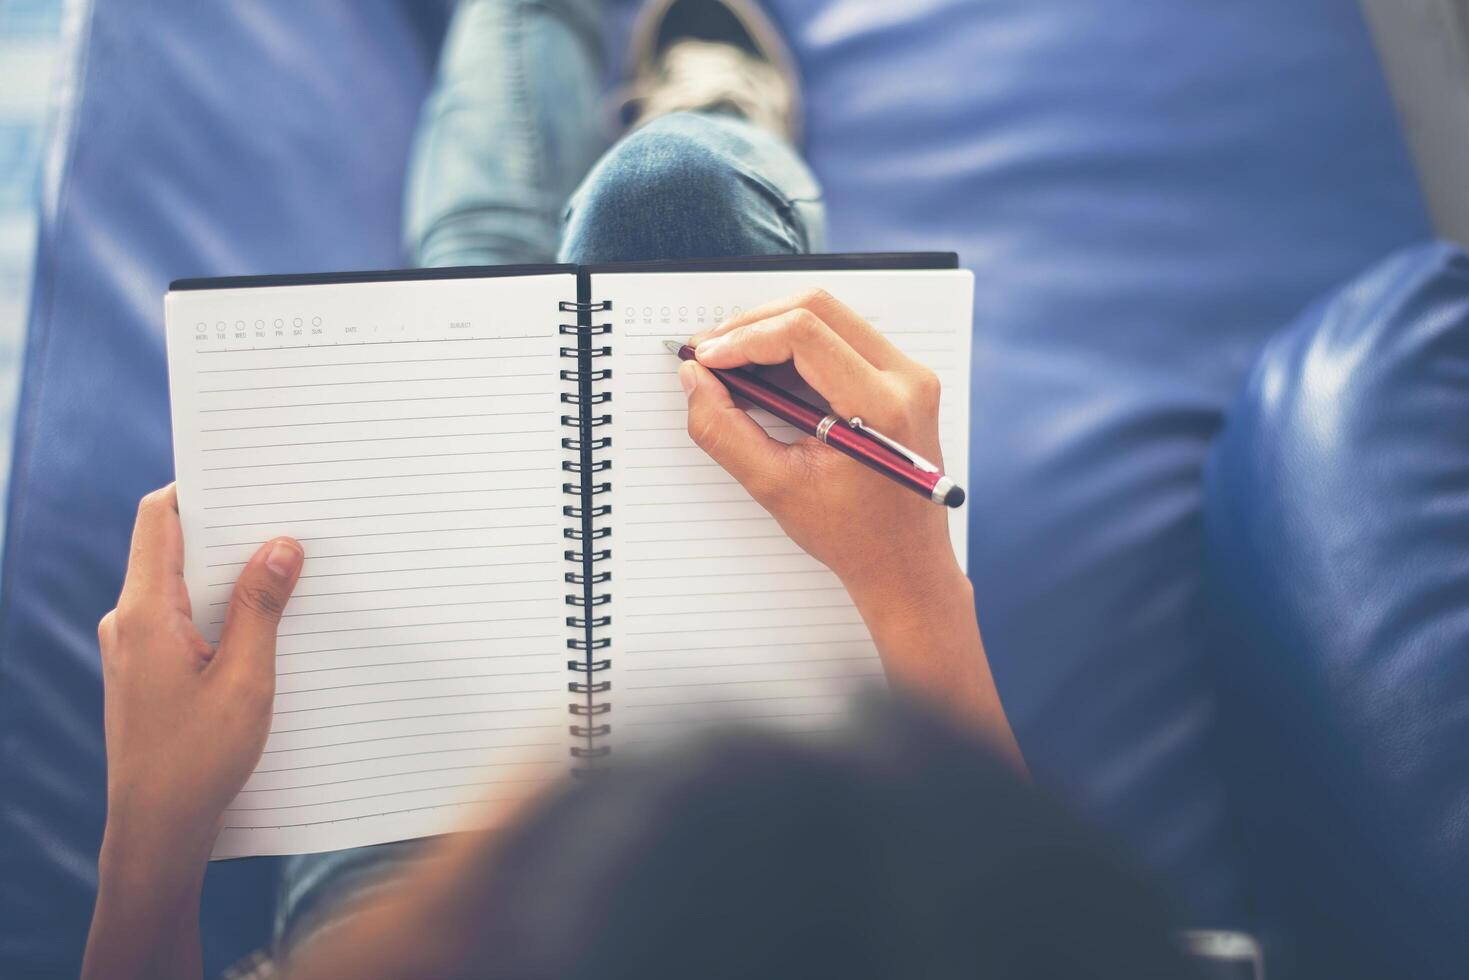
<point>516,559</point>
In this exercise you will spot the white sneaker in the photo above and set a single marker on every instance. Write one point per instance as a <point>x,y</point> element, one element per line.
<point>712,56</point>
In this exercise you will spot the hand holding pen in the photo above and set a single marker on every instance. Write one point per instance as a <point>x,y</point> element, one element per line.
<point>818,494</point>
<point>853,437</point>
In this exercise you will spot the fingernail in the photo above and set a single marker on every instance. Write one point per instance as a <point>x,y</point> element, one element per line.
<point>688,376</point>
<point>709,346</point>
<point>283,558</point>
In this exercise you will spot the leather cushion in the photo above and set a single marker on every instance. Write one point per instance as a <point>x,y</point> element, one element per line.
<point>1337,546</point>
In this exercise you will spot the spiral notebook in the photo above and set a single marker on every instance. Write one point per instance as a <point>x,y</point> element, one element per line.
<point>517,562</point>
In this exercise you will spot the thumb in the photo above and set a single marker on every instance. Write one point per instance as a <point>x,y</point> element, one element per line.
<point>730,437</point>
<point>259,600</point>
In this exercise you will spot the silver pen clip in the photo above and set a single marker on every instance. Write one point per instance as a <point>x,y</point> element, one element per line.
<point>893,444</point>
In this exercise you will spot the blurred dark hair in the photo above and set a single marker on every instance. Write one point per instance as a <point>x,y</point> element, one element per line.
<point>903,849</point>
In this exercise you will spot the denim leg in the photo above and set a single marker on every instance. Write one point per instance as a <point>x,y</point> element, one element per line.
<point>510,128</point>
<point>695,185</point>
<point>313,887</point>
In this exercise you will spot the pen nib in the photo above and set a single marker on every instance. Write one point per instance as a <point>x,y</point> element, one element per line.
<point>673,346</point>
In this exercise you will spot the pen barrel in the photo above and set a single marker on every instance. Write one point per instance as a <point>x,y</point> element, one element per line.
<point>762,394</point>
<point>841,436</point>
<point>876,456</point>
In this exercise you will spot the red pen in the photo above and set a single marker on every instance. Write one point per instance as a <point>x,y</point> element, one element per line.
<point>861,442</point>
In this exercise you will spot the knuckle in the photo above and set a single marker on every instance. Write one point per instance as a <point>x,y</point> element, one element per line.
<point>926,386</point>
<point>816,298</point>
<point>803,327</point>
<point>152,501</point>
<point>127,619</point>
<point>806,323</point>
<point>106,628</point>
<point>739,338</point>
<point>261,601</point>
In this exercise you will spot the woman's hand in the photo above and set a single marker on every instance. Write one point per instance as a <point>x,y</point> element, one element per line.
<point>186,721</point>
<point>185,725</point>
<point>875,535</point>
<point>889,546</point>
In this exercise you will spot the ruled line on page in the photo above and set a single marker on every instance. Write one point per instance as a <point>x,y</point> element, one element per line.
<point>365,401</point>
<point>384,534</point>
<point>335,442</point>
<point>374,496</point>
<point>703,575</point>
<point>318,556</point>
<point>337,821</point>
<point>402,513</point>
<point>378,476</point>
<point>401,663</point>
<point>662,722</point>
<point>403,588</point>
<point>750,646</point>
<point>492,583</point>
<point>705,701</point>
<point>408,755</point>
<point>451,731</point>
<point>744,628</point>
<point>721,664</point>
<point>356,364</point>
<point>369,343</point>
<point>426,697</point>
<point>370,796</point>
<point>783,679</point>
<point>380,459</point>
<point>372,381</point>
<point>733,592</point>
<point>422,605</point>
<point>427,568</point>
<point>438,714</point>
<point>476,641</point>
<point>423,680</point>
<point>409,418</point>
<point>485,767</point>
<point>447,622</point>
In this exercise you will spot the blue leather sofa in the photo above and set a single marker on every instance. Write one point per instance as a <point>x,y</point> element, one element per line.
<point>1148,193</point>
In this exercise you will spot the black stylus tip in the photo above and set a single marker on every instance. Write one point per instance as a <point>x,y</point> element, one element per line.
<point>955,497</point>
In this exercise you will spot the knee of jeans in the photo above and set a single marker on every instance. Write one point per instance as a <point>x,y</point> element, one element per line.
<point>674,189</point>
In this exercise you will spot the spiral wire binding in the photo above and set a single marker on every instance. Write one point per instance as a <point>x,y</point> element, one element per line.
<point>589,723</point>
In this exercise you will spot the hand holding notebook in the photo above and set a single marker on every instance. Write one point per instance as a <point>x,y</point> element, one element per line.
<point>516,556</point>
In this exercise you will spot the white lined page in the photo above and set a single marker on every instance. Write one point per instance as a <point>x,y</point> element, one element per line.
<point>715,611</point>
<point>408,434</point>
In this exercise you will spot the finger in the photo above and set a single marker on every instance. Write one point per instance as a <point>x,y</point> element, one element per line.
<point>730,437</point>
<point>156,563</point>
<point>860,335</point>
<point>259,600</point>
<point>851,384</point>
<point>107,631</point>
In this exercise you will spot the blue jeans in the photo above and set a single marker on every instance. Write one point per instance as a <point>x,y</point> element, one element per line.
<point>506,171</point>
